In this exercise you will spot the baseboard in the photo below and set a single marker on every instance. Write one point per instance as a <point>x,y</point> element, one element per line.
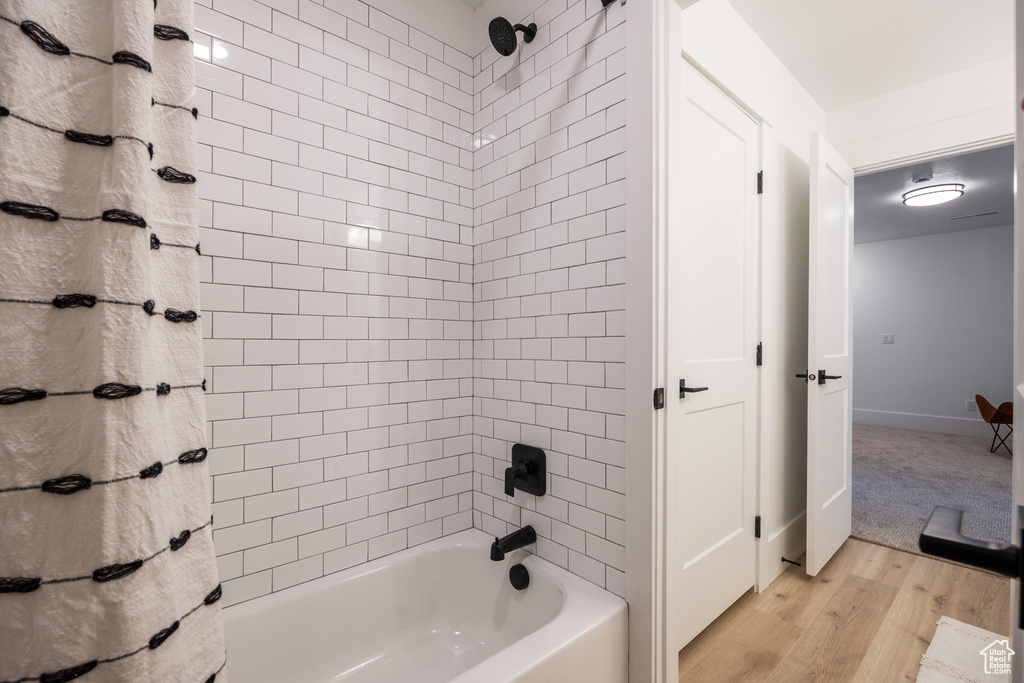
<point>790,542</point>
<point>922,423</point>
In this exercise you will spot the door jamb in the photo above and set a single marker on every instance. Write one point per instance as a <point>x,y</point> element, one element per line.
<point>652,31</point>
<point>1016,634</point>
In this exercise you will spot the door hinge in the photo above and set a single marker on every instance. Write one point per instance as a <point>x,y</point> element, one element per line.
<point>659,398</point>
<point>760,182</point>
<point>760,347</point>
<point>757,526</point>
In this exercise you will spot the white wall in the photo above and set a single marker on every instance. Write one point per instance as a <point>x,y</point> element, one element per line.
<point>336,226</point>
<point>958,112</point>
<point>783,499</point>
<point>717,39</point>
<point>949,300</point>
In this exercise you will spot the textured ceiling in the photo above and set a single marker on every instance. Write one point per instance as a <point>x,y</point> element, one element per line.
<point>988,186</point>
<point>847,51</point>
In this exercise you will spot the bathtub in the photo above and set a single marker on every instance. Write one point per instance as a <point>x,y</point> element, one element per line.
<point>439,612</point>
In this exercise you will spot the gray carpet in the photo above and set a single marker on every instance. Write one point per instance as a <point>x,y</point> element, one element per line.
<point>899,476</point>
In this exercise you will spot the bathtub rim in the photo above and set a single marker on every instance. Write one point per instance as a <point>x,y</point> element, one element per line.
<point>585,606</point>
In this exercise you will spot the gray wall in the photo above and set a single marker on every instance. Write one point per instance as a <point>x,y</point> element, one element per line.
<point>948,299</point>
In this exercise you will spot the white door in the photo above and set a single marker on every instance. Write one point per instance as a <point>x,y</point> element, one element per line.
<point>711,347</point>
<point>829,354</point>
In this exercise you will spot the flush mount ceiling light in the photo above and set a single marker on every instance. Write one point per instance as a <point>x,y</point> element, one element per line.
<point>935,194</point>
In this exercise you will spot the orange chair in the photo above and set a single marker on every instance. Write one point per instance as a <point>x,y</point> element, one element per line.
<point>1003,415</point>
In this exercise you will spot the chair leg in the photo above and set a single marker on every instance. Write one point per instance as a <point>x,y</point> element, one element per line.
<point>1002,439</point>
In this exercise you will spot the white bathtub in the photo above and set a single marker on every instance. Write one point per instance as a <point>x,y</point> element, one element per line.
<point>440,612</point>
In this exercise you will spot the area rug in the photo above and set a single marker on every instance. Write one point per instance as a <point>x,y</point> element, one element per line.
<point>899,476</point>
<point>960,652</point>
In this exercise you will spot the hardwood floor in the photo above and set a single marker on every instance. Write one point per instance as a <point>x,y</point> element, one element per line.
<point>866,618</point>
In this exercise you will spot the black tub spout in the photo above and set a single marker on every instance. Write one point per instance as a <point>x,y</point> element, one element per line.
<point>514,541</point>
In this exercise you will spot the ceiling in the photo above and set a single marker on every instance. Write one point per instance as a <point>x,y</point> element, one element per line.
<point>988,186</point>
<point>472,4</point>
<point>847,51</point>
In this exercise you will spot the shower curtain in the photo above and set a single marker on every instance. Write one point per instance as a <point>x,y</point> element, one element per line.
<point>107,567</point>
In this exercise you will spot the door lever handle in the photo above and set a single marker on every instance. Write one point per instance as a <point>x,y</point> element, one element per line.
<point>942,538</point>
<point>683,389</point>
<point>822,377</point>
<point>806,376</point>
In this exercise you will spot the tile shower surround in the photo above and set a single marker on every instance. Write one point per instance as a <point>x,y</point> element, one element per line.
<point>412,260</point>
<point>549,273</point>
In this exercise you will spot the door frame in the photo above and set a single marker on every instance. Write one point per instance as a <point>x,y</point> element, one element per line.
<point>653,43</point>
<point>1016,634</point>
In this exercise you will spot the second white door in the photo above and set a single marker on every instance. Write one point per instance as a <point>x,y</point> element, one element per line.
<point>712,337</point>
<point>829,404</point>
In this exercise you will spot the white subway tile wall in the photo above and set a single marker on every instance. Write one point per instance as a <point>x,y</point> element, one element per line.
<point>336,184</point>
<point>412,259</point>
<point>549,273</point>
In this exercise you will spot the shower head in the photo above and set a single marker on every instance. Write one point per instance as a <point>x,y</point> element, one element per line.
<point>503,35</point>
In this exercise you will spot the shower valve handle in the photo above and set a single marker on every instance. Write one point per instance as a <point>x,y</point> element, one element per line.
<point>513,473</point>
<point>528,472</point>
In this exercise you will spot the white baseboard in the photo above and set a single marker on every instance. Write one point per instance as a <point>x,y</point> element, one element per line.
<point>922,423</point>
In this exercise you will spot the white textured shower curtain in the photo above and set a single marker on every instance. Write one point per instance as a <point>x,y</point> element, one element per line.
<point>107,568</point>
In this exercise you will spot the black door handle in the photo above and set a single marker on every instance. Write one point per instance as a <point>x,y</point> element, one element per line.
<point>805,376</point>
<point>941,537</point>
<point>683,389</point>
<point>822,377</point>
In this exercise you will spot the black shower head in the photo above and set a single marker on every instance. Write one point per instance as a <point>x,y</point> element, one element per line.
<point>503,35</point>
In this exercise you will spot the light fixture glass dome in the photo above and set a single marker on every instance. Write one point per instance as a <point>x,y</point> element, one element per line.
<point>935,194</point>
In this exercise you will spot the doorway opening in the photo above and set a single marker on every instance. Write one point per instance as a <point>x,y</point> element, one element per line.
<point>933,329</point>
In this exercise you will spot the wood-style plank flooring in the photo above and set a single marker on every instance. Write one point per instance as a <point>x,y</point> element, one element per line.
<point>866,618</point>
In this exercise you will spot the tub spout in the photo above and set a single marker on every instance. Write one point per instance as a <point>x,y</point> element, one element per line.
<point>514,541</point>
